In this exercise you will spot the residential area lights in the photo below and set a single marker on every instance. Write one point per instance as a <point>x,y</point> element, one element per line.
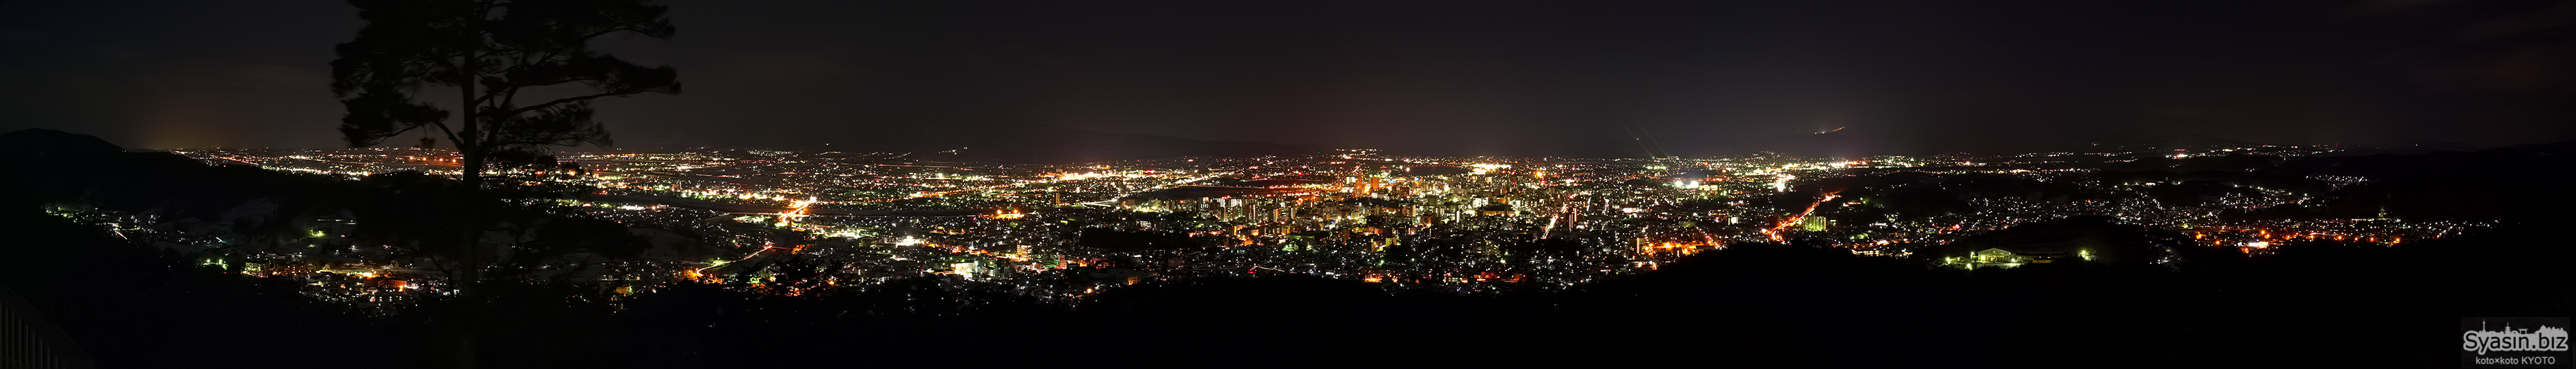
<point>1465,224</point>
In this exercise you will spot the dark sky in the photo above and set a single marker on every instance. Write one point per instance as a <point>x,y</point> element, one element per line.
<point>1451,76</point>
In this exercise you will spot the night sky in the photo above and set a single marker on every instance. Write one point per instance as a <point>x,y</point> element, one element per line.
<point>1442,77</point>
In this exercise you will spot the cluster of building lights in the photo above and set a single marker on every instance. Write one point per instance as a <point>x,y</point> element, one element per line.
<point>1465,224</point>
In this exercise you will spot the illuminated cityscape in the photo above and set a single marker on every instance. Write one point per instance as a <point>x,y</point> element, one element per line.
<point>1452,224</point>
<point>690,184</point>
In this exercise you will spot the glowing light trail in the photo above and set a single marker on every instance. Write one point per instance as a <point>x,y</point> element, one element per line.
<point>1774,232</point>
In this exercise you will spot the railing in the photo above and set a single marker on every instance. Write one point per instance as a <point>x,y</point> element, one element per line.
<point>28,340</point>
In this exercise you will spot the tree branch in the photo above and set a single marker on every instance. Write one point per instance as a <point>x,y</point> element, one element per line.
<point>561,101</point>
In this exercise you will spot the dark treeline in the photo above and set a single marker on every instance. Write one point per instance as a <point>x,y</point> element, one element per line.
<point>2311,304</point>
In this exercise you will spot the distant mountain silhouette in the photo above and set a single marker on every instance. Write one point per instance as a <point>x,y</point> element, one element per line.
<point>51,165</point>
<point>1864,141</point>
<point>38,144</point>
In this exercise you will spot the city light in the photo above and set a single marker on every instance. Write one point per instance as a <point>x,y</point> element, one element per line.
<point>1353,215</point>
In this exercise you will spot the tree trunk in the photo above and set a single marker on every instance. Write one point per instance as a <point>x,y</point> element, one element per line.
<point>471,150</point>
<point>468,281</point>
<point>471,147</point>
